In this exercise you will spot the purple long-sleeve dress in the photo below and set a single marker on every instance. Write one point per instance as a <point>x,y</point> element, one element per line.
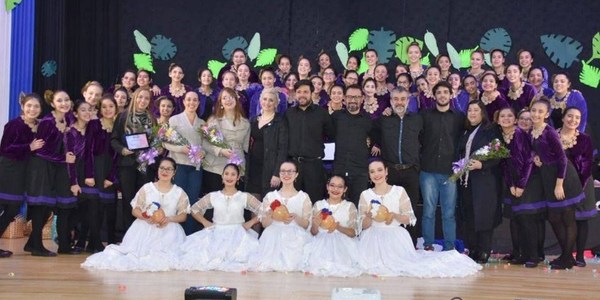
<point>14,156</point>
<point>460,101</point>
<point>581,156</point>
<point>492,106</point>
<point>101,163</point>
<point>521,98</point>
<point>177,99</point>
<point>572,98</point>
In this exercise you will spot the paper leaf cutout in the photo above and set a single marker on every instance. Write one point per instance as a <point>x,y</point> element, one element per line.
<point>363,67</point>
<point>142,42</point>
<point>465,57</point>
<point>143,61</point>
<point>10,4</point>
<point>454,56</point>
<point>425,60</point>
<point>254,47</point>
<point>232,44</point>
<point>487,58</point>
<point>358,39</point>
<point>163,48</point>
<point>265,57</point>
<point>215,67</point>
<point>402,46</point>
<point>49,68</point>
<point>595,47</point>
<point>383,41</point>
<point>562,50</point>
<point>589,75</point>
<point>342,53</point>
<point>431,43</point>
<point>497,38</point>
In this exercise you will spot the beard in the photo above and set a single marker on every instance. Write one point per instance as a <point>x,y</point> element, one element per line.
<point>353,107</point>
<point>399,110</point>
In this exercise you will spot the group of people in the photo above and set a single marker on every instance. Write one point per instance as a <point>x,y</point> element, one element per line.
<point>400,137</point>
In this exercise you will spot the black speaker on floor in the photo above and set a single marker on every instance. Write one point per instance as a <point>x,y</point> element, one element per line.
<point>210,292</point>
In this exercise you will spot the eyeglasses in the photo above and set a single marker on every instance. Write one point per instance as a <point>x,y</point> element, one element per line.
<point>328,73</point>
<point>166,170</point>
<point>333,186</point>
<point>287,172</point>
<point>353,97</point>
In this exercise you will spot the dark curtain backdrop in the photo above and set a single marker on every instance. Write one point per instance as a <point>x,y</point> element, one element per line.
<point>93,40</point>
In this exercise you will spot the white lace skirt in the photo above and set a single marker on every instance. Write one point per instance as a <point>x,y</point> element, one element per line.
<point>332,254</point>
<point>281,248</point>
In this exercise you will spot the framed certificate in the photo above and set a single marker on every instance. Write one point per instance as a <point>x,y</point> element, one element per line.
<point>329,151</point>
<point>137,141</point>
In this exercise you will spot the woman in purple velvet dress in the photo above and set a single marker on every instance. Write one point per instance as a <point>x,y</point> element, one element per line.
<point>426,97</point>
<point>336,100</point>
<point>519,93</point>
<point>238,57</point>
<point>491,97</point>
<point>47,176</point>
<point>443,61</point>
<point>579,150</point>
<point>304,68</point>
<point>128,80</point>
<point>497,58</point>
<point>525,58</point>
<point>267,79</point>
<point>565,97</point>
<point>469,84</point>
<point>383,88</point>
<point>561,185</point>
<point>460,98</point>
<point>230,80</point>
<point>207,94</point>
<point>176,89</point>
<point>318,96</point>
<point>18,144</point>
<point>329,76</point>
<point>477,66</point>
<point>244,86</point>
<point>324,62</point>
<point>523,199</point>
<point>284,66</point>
<point>536,79</point>
<point>373,105</point>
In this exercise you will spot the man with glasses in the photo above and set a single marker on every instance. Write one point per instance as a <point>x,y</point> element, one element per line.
<point>353,128</point>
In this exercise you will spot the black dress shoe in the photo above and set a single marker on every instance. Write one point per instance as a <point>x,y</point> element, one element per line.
<point>580,263</point>
<point>72,251</point>
<point>43,253</point>
<point>531,264</point>
<point>5,253</point>
<point>510,257</point>
<point>518,260</point>
<point>483,257</point>
<point>27,248</point>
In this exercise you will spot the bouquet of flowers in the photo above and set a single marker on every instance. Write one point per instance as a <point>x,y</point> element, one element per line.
<point>494,150</point>
<point>280,211</point>
<point>146,158</point>
<point>213,135</point>
<point>166,134</point>
<point>379,212</point>
<point>154,212</point>
<point>328,220</point>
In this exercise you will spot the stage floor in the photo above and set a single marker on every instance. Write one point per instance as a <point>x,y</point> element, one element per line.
<point>25,277</point>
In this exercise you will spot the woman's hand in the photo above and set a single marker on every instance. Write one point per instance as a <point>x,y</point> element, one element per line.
<point>226,153</point>
<point>537,161</point>
<point>126,152</point>
<point>70,158</point>
<point>368,220</point>
<point>375,151</point>
<point>186,149</point>
<point>559,192</point>
<point>155,90</point>
<point>90,182</point>
<point>36,144</point>
<point>76,190</point>
<point>275,181</point>
<point>334,228</point>
<point>317,220</point>
<point>107,183</point>
<point>387,112</point>
<point>474,165</point>
<point>390,219</point>
<point>289,219</point>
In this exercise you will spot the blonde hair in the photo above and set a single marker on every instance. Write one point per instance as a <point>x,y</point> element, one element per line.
<point>90,83</point>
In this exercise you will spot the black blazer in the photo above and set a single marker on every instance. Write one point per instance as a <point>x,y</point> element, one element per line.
<point>118,143</point>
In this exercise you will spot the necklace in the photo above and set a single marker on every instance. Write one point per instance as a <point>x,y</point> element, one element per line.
<point>61,125</point>
<point>206,93</point>
<point>177,91</point>
<point>371,107</point>
<point>561,103</point>
<point>107,124</point>
<point>428,93</point>
<point>486,100</point>
<point>508,136</point>
<point>33,125</point>
<point>568,141</point>
<point>414,74</point>
<point>536,132</point>
<point>380,91</point>
<point>514,94</point>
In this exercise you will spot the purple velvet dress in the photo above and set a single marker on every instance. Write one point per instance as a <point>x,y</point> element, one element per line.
<point>494,106</point>
<point>75,143</point>
<point>556,165</point>
<point>101,163</point>
<point>581,156</point>
<point>524,100</point>
<point>14,156</point>
<point>426,102</point>
<point>48,181</point>
<point>413,104</point>
<point>178,100</point>
<point>460,101</point>
<point>207,102</point>
<point>572,98</point>
<point>383,102</point>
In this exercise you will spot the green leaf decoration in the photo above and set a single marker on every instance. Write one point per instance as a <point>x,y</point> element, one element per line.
<point>431,43</point>
<point>589,75</point>
<point>10,4</point>
<point>562,50</point>
<point>254,47</point>
<point>595,47</point>
<point>163,48</point>
<point>358,39</point>
<point>497,38</point>
<point>265,57</point>
<point>215,67</point>
<point>383,41</point>
<point>454,56</point>
<point>402,46</point>
<point>49,68</point>
<point>425,60</point>
<point>363,67</point>
<point>232,44</point>
<point>142,42</point>
<point>465,57</point>
<point>143,61</point>
<point>342,53</point>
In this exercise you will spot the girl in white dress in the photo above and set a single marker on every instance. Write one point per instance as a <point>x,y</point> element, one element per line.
<point>385,247</point>
<point>334,249</point>
<point>151,243</point>
<point>227,243</point>
<point>283,240</point>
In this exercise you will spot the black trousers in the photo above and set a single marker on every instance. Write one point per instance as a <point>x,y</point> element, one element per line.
<point>311,178</point>
<point>409,180</point>
<point>131,180</point>
<point>357,182</point>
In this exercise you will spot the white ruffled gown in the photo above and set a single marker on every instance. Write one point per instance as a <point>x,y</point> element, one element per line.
<point>387,250</point>
<point>334,254</point>
<point>147,247</point>
<point>225,246</point>
<point>282,245</point>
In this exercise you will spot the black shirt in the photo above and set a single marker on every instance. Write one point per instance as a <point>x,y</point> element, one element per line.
<point>307,129</point>
<point>441,131</point>
<point>351,133</point>
<point>387,137</point>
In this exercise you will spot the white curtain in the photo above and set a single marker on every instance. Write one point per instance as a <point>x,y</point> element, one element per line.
<point>5,33</point>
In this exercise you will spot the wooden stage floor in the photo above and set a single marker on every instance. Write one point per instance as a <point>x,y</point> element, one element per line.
<point>25,277</point>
